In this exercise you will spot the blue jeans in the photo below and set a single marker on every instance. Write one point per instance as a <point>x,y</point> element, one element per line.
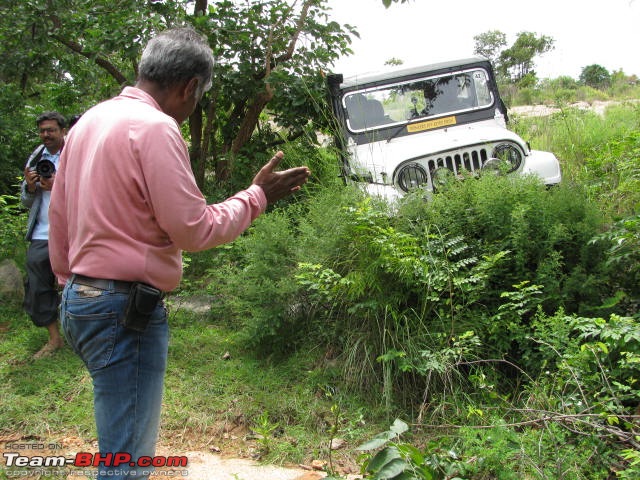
<point>127,369</point>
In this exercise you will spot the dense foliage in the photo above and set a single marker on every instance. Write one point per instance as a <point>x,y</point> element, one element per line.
<point>478,260</point>
<point>270,58</point>
<point>499,308</point>
<point>499,318</point>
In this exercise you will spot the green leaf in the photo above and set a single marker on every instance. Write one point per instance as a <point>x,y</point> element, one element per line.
<point>376,442</point>
<point>411,453</point>
<point>410,476</point>
<point>613,420</point>
<point>392,470</point>
<point>382,458</point>
<point>399,427</point>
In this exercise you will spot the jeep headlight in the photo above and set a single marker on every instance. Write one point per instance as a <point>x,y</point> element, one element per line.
<point>508,156</point>
<point>411,176</point>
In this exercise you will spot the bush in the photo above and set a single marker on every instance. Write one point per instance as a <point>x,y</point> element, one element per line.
<point>13,221</point>
<point>622,241</point>
<point>494,451</point>
<point>259,285</point>
<point>546,233</point>
<point>419,292</point>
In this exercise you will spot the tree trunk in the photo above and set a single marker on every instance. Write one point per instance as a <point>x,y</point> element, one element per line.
<point>197,154</point>
<point>250,120</point>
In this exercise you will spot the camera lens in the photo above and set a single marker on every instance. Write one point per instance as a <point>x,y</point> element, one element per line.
<point>45,168</point>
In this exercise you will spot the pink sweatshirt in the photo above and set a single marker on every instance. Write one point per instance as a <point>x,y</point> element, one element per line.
<point>125,202</point>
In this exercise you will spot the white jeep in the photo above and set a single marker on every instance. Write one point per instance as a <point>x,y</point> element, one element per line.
<point>419,127</point>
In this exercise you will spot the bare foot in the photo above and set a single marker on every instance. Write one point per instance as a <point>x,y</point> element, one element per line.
<point>48,349</point>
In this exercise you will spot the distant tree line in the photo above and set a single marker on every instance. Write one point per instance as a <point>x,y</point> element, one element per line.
<point>516,64</point>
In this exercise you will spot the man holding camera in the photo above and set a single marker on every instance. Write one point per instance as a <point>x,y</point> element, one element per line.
<point>41,294</point>
<point>124,207</point>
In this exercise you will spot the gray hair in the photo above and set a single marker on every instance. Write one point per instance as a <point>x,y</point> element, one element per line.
<point>62,122</point>
<point>177,55</point>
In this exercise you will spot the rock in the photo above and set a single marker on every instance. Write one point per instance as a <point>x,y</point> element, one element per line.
<point>337,443</point>
<point>318,464</point>
<point>11,281</point>
<point>309,476</point>
<point>194,303</point>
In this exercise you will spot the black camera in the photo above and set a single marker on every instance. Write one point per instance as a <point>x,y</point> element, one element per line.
<point>45,168</point>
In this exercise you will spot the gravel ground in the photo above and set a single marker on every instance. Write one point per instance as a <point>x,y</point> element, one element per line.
<point>543,110</point>
<point>206,466</point>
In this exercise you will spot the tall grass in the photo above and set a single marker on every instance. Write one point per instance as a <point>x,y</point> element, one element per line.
<point>599,152</point>
<point>565,91</point>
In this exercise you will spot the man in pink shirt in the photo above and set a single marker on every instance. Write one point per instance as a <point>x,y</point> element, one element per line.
<point>124,206</point>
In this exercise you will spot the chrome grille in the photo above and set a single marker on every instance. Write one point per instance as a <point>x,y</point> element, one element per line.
<point>461,160</point>
<point>469,160</point>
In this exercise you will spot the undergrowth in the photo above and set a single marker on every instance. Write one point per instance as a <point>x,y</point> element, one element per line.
<point>499,320</point>
<point>499,317</point>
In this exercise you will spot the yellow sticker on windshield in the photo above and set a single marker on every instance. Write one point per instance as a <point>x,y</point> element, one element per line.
<point>440,122</point>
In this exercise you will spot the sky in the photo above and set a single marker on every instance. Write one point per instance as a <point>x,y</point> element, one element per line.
<point>585,32</point>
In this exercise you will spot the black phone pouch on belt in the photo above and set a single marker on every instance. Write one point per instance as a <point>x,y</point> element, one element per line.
<point>143,300</point>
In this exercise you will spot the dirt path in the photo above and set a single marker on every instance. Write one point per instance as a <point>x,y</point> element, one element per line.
<point>206,466</point>
<point>597,106</point>
<point>213,466</point>
<point>200,465</point>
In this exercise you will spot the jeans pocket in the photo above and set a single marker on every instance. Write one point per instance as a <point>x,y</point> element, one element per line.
<point>91,328</point>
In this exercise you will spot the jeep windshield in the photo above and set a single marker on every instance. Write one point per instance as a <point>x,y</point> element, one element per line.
<point>438,97</point>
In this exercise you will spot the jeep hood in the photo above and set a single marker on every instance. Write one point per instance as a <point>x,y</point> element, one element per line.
<point>385,155</point>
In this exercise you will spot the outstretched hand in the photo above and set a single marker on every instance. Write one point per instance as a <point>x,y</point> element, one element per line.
<point>277,185</point>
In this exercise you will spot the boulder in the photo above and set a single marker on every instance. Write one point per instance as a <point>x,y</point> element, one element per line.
<point>11,281</point>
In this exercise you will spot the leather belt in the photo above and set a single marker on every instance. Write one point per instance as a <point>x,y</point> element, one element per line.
<point>117,286</point>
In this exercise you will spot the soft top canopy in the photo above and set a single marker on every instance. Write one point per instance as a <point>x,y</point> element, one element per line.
<point>382,77</point>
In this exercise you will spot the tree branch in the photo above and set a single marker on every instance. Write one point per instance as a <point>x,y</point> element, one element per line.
<point>304,13</point>
<point>77,48</point>
<point>568,421</point>
<point>296,34</point>
<point>250,119</point>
